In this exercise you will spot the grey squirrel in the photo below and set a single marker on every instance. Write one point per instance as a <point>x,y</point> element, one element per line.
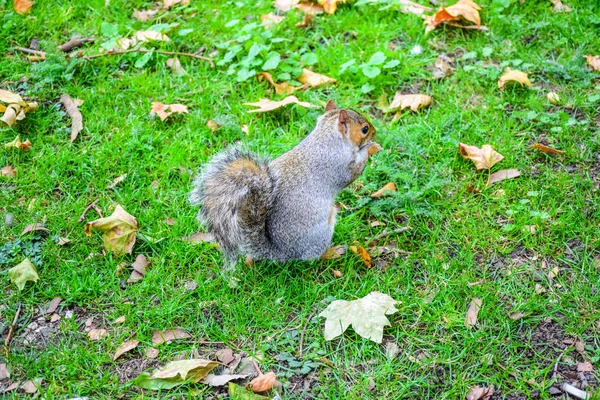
<point>284,209</point>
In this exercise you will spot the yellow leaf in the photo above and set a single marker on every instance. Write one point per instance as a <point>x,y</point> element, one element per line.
<point>262,383</point>
<point>265,105</point>
<point>22,6</point>
<point>23,272</point>
<point>280,88</point>
<point>164,110</point>
<point>513,75</point>
<point>362,253</point>
<point>389,187</point>
<point>466,9</point>
<point>119,230</point>
<point>11,98</point>
<point>312,79</point>
<point>17,144</point>
<point>412,101</point>
<point>484,158</point>
<point>594,62</point>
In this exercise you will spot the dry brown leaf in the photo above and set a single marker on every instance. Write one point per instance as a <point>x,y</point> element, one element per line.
<point>307,20</point>
<point>159,337</point>
<point>17,144</point>
<point>152,352</point>
<point>74,113</point>
<point>312,79</point>
<point>55,317</point>
<point>594,62</point>
<point>22,6</point>
<point>337,274</point>
<point>144,36</point>
<point>466,9</point>
<point>330,5</point>
<point>334,252</point>
<point>11,98</point>
<point>199,237</point>
<point>119,230</point>
<point>212,125</point>
<point>385,190</point>
<point>479,393</point>
<point>515,315</point>
<point>4,374</point>
<point>262,383</point>
<point>412,101</point>
<point>546,149</point>
<point>125,347</point>
<point>539,289</point>
<point>96,334</point>
<point>164,110</point>
<point>377,223</point>
<point>9,171</point>
<point>34,227</point>
<point>171,3</point>
<point>139,268</point>
<point>266,105</point>
<point>474,307</point>
<point>119,320</point>
<point>285,5</point>
<point>560,7</point>
<point>410,7</point>
<point>63,241</point>
<point>270,19</point>
<point>31,386</point>
<point>442,67</point>
<point>52,306</point>
<point>484,158</point>
<point>280,88</point>
<point>175,65</point>
<point>513,75</point>
<point>116,181</point>
<point>503,174</point>
<point>553,273</point>
<point>585,367</point>
<point>145,15</point>
<point>309,8</point>
<point>362,253</point>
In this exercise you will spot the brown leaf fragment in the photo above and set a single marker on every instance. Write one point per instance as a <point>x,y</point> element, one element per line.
<point>199,237</point>
<point>63,241</point>
<point>385,190</point>
<point>119,230</point>
<point>11,387</point>
<point>139,268</point>
<point>553,273</point>
<point>225,356</point>
<point>176,67</point>
<point>480,393</point>
<point>52,306</point>
<point>33,228</point>
<point>515,315</point>
<point>220,380</point>
<point>145,15</point>
<point>22,7</point>
<point>546,149</point>
<point>266,105</point>
<point>337,274</point>
<point>513,75</point>
<point>96,334</point>
<point>212,125</point>
<point>559,7</point>
<point>145,36</point>
<point>262,383</point>
<point>74,113</point>
<point>474,307</point>
<point>362,253</point>
<point>585,367</point>
<point>312,79</point>
<point>152,352</point>
<point>334,252</point>
<point>377,223</point>
<point>307,20</point>
<point>165,110</point>
<point>465,9</point>
<point>503,174</point>
<point>116,181</point>
<point>280,88</point>
<point>412,101</point>
<point>442,67</point>
<point>594,62</point>
<point>55,317</point>
<point>16,143</point>
<point>285,5</point>
<point>539,289</point>
<point>119,320</point>
<point>31,386</point>
<point>309,8</point>
<point>125,347</point>
<point>170,3</point>
<point>159,337</point>
<point>484,158</point>
<point>9,171</point>
<point>4,374</point>
<point>270,19</point>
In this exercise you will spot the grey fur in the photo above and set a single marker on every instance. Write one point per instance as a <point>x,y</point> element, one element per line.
<point>283,209</point>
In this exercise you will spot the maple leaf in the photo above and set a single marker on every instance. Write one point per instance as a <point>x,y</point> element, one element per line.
<point>330,5</point>
<point>594,62</point>
<point>484,158</point>
<point>366,315</point>
<point>466,9</point>
<point>280,88</point>
<point>23,272</point>
<point>474,307</point>
<point>119,230</point>
<point>175,373</point>
<point>386,189</point>
<point>165,110</point>
<point>513,75</point>
<point>412,101</point>
<point>312,79</point>
<point>22,6</point>
<point>265,105</point>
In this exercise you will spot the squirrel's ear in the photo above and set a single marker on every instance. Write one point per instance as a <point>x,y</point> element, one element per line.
<point>330,105</point>
<point>343,120</point>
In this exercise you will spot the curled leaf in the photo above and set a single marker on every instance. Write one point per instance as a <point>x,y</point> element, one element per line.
<point>119,231</point>
<point>546,149</point>
<point>484,158</point>
<point>262,383</point>
<point>139,268</point>
<point>265,105</point>
<point>474,307</point>
<point>513,75</point>
<point>159,337</point>
<point>362,253</point>
<point>17,144</point>
<point>385,190</point>
<point>280,88</point>
<point>125,347</point>
<point>23,272</point>
<point>466,9</point>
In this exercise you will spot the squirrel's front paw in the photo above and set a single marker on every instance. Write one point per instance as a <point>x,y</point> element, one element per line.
<point>373,148</point>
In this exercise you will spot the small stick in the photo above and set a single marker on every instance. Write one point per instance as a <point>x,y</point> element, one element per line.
<point>91,205</point>
<point>97,209</point>
<point>71,44</point>
<point>12,327</point>
<point>169,53</point>
<point>573,391</point>
<point>303,331</point>
<point>386,232</point>
<point>31,51</point>
<point>258,371</point>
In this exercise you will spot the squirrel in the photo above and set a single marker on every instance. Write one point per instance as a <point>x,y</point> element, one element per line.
<point>284,209</point>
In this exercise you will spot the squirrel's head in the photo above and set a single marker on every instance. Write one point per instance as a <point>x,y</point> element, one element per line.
<point>351,124</point>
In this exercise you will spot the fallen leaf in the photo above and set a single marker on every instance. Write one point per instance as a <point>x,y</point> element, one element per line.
<point>515,315</point>
<point>553,98</point>
<point>307,20</point>
<point>237,392</point>
<point>52,306</point>
<point>262,383</point>
<point>176,67</point>
<point>212,125</point>
<point>513,75</point>
<point>385,190</point>
<point>220,380</point>
<point>312,79</point>
<point>119,230</point>
<point>442,67</point>
<point>539,289</point>
<point>199,237</point>
<point>139,268</point>
<point>412,101</point>
<point>560,7</point>
<point>74,113</point>
<point>280,88</point>
<point>553,273</point>
<point>503,174</point>
<point>594,62</point>
<point>546,149</point>
<point>366,315</point>
<point>22,7</point>
<point>63,241</point>
<point>145,15</point>
<point>165,110</point>
<point>466,9</point>
<point>11,98</point>
<point>17,144</point>
<point>9,171</point>
<point>23,272</point>
<point>334,252</point>
<point>474,307</point>
<point>96,334</point>
<point>585,367</point>
<point>392,350</point>
<point>11,387</point>
<point>337,274</point>
<point>175,373</point>
<point>125,347</point>
<point>479,393</point>
<point>144,36</point>
<point>285,5</point>
<point>265,105</point>
<point>191,285</point>
<point>55,317</point>
<point>116,181</point>
<point>170,3</point>
<point>152,352</point>
<point>484,158</point>
<point>33,228</point>
<point>15,108</point>
<point>31,386</point>
<point>362,253</point>
<point>160,337</point>
<point>270,19</point>
<point>410,7</point>
<point>309,8</point>
<point>330,5</point>
<point>4,374</point>
<point>225,356</point>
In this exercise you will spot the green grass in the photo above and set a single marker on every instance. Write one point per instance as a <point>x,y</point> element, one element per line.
<point>462,244</point>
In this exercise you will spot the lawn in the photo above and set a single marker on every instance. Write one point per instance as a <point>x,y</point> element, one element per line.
<point>528,247</point>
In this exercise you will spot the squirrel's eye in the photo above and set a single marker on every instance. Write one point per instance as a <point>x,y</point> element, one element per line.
<point>365,129</point>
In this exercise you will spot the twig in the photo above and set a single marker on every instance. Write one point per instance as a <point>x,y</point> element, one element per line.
<point>97,209</point>
<point>303,331</point>
<point>12,327</point>
<point>169,53</point>
<point>71,44</point>
<point>91,205</point>
<point>258,371</point>
<point>386,232</point>
<point>31,51</point>
<point>573,391</point>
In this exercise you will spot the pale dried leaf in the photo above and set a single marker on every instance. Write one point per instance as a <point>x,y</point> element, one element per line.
<point>170,3</point>
<point>474,307</point>
<point>266,105</point>
<point>337,274</point>
<point>16,142</point>
<point>553,97</point>
<point>11,98</point>
<point>212,125</point>
<point>9,171</point>
<point>280,88</point>
<point>119,320</point>
<point>515,315</point>
<point>553,273</point>
<point>539,289</point>
<point>559,7</point>
<point>152,352</point>
<point>312,79</point>
<point>412,101</point>
<point>125,347</point>
<point>23,272</point>
<point>74,113</point>
<point>385,190</point>
<point>96,334</point>
<point>220,380</point>
<point>22,7</point>
<point>285,5</point>
<point>159,337</point>
<point>442,67</point>
<point>144,36</point>
<point>195,369</point>
<point>410,7</point>
<point>270,19</point>
<point>594,62</point>
<point>176,67</point>
<point>63,241</point>
<point>484,158</point>
<point>466,9</point>
<point>366,315</point>
<point>55,317</point>
<point>362,253</point>
<point>392,350</point>
<point>165,110</point>
<point>480,393</point>
<point>585,367</point>
<point>225,355</point>
<point>334,252</point>
<point>145,15</point>
<point>52,306</point>
<point>139,268</point>
<point>263,382</point>
<point>309,8</point>
<point>503,174</point>
<point>33,228</point>
<point>119,231</point>
<point>330,5</point>
<point>4,374</point>
<point>513,75</point>
<point>116,181</point>
<point>30,386</point>
<point>199,237</point>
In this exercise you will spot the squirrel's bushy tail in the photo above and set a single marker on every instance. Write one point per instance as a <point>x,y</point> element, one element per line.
<point>236,189</point>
